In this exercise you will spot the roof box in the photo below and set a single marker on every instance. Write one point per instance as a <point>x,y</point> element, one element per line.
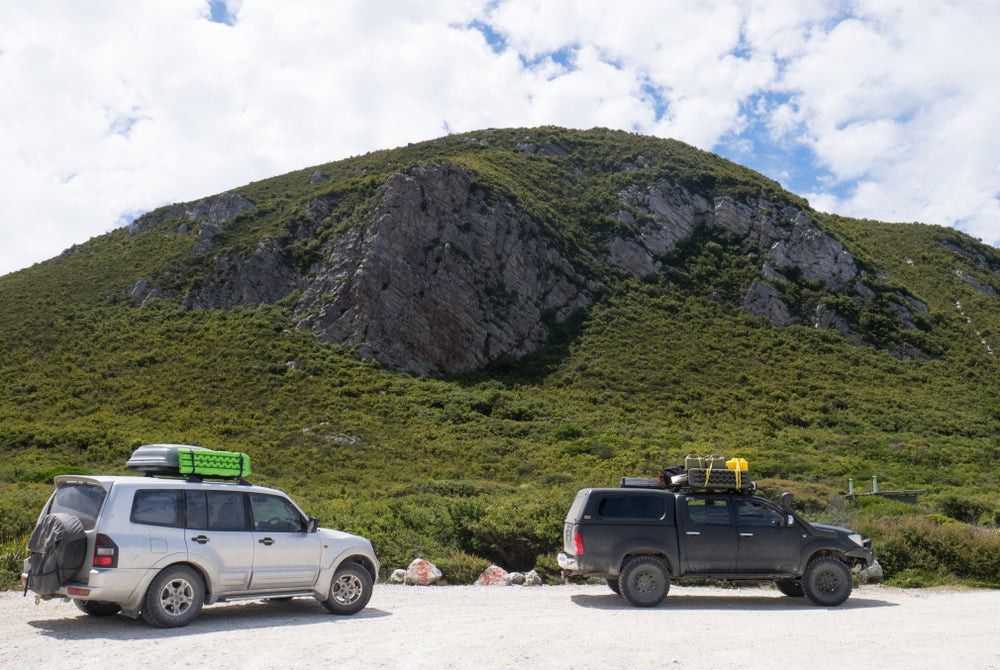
<point>185,459</point>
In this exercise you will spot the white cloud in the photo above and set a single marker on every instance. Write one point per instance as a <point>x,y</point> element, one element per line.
<point>115,109</point>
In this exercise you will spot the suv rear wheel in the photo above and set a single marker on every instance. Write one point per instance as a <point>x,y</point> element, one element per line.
<point>97,608</point>
<point>174,597</point>
<point>644,581</point>
<point>350,590</point>
<point>827,581</point>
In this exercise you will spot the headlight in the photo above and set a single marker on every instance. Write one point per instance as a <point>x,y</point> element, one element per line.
<point>856,538</point>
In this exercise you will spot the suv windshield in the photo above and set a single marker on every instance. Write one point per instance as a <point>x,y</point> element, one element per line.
<point>81,500</point>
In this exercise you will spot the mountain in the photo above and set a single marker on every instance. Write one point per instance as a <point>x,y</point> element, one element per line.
<point>436,345</point>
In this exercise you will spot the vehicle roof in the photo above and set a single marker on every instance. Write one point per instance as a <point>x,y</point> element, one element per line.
<point>629,490</point>
<point>136,481</point>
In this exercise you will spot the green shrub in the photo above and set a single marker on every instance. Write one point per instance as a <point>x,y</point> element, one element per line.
<point>951,551</point>
<point>12,555</point>
<point>459,567</point>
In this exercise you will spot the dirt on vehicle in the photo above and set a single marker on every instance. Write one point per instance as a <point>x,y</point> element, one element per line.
<point>575,626</point>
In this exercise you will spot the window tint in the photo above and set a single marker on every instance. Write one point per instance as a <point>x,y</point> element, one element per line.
<point>215,510</point>
<point>713,512</point>
<point>197,510</point>
<point>755,514</point>
<point>157,507</point>
<point>631,507</point>
<point>80,500</point>
<point>275,514</point>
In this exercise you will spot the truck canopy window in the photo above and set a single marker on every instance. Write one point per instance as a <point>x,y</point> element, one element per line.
<point>631,507</point>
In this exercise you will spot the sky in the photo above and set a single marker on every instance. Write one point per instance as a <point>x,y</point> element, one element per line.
<point>875,109</point>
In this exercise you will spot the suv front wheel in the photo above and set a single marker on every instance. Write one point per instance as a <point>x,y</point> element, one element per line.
<point>644,581</point>
<point>350,590</point>
<point>174,597</point>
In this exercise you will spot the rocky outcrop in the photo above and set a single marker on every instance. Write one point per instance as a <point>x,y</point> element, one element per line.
<point>220,209</point>
<point>762,300</point>
<point>441,279</point>
<point>263,277</point>
<point>436,276</point>
<point>818,256</point>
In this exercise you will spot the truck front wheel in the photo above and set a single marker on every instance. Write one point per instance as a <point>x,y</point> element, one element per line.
<point>827,581</point>
<point>644,581</point>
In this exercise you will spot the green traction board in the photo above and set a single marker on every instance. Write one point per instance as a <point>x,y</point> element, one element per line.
<point>213,463</point>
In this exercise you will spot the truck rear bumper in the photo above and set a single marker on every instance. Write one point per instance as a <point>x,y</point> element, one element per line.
<point>567,562</point>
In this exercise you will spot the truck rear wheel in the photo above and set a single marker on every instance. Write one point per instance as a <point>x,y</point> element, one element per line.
<point>644,581</point>
<point>827,581</point>
<point>612,583</point>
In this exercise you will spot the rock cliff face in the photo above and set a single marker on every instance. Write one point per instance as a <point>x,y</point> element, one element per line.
<point>441,277</point>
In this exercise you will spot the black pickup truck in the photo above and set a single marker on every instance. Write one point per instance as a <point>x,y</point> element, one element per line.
<point>638,539</point>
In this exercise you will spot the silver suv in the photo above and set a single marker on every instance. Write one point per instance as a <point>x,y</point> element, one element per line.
<point>161,547</point>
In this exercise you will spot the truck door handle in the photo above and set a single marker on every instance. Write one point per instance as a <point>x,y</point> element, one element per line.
<point>200,539</point>
<point>266,540</point>
<point>746,534</point>
<point>694,532</point>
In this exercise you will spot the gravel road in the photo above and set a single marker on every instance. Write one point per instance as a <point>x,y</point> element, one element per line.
<point>526,627</point>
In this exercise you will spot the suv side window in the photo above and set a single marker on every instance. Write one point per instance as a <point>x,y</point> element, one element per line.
<point>275,514</point>
<point>157,507</point>
<point>216,510</point>
<point>708,511</point>
<point>631,507</point>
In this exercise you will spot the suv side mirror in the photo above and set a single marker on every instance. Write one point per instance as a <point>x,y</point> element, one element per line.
<point>312,524</point>
<point>791,520</point>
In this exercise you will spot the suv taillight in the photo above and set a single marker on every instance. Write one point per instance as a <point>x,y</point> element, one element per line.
<point>105,552</point>
<point>578,542</point>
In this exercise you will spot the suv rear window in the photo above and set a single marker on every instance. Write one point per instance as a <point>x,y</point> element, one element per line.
<point>83,501</point>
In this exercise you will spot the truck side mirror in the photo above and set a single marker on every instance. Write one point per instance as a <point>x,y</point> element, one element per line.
<point>786,502</point>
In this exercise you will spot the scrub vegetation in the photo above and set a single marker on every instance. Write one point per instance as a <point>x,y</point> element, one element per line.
<point>479,468</point>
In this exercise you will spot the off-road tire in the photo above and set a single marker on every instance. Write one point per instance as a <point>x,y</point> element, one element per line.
<point>174,597</point>
<point>644,581</point>
<point>827,581</point>
<point>350,589</point>
<point>791,588</point>
<point>97,608</point>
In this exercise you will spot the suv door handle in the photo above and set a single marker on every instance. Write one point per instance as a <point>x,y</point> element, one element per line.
<point>746,534</point>
<point>266,540</point>
<point>694,532</point>
<point>200,539</point>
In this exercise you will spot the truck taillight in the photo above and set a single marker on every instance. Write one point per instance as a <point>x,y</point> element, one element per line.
<point>578,542</point>
<point>105,552</point>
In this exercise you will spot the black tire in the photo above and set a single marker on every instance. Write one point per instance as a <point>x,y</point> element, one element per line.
<point>174,597</point>
<point>792,589</point>
<point>350,589</point>
<point>827,581</point>
<point>644,581</point>
<point>97,608</point>
<point>613,585</point>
